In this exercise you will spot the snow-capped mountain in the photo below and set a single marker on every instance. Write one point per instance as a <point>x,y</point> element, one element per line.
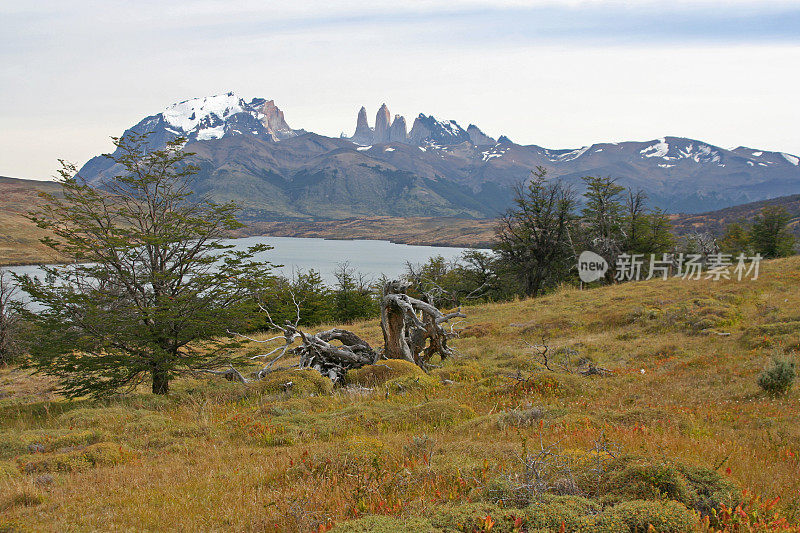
<point>214,117</point>
<point>248,153</point>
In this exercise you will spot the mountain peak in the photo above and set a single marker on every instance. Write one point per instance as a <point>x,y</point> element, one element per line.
<point>213,117</point>
<point>363,134</point>
<point>382,122</point>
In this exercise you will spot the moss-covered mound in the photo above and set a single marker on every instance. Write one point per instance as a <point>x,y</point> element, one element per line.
<point>301,382</point>
<point>378,374</point>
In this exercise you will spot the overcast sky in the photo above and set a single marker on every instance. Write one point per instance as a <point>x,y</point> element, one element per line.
<point>560,74</point>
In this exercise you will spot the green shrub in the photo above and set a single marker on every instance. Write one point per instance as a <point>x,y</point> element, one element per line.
<point>461,371</point>
<point>551,511</point>
<point>712,490</point>
<point>638,516</point>
<point>697,488</point>
<point>438,413</point>
<point>105,417</point>
<point>778,377</point>
<point>651,482</point>
<point>476,517</point>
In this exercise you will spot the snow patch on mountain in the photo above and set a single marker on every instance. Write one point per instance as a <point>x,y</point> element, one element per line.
<point>791,159</point>
<point>495,151</point>
<point>572,155</point>
<point>660,149</point>
<point>663,149</point>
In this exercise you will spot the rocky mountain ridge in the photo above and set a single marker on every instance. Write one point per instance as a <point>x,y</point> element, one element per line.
<point>248,153</point>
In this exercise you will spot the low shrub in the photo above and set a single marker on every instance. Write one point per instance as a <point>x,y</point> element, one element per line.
<point>477,517</point>
<point>385,524</point>
<point>698,488</point>
<point>100,417</point>
<point>478,330</point>
<point>778,377</point>
<point>645,515</point>
<point>438,413</point>
<point>651,482</point>
<point>8,470</point>
<point>552,511</point>
<point>712,490</point>
<point>464,372</point>
<point>520,417</point>
<point>258,431</point>
<point>22,499</point>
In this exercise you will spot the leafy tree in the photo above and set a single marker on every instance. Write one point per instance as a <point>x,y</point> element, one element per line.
<point>473,277</point>
<point>602,219</point>
<point>603,211</point>
<point>353,299</point>
<point>314,297</point>
<point>770,235</point>
<point>153,289</point>
<point>533,239</point>
<point>646,231</point>
<point>304,295</point>
<point>736,240</point>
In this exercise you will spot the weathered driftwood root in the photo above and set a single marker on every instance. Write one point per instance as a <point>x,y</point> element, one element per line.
<point>413,329</point>
<point>334,360</point>
<point>409,324</point>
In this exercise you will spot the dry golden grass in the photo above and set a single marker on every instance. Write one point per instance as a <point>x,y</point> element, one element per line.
<point>219,456</point>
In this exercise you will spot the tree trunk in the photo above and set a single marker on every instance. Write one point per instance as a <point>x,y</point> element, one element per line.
<point>405,335</point>
<point>160,380</point>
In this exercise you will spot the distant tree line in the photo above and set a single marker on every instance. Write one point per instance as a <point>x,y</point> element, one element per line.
<point>767,235</point>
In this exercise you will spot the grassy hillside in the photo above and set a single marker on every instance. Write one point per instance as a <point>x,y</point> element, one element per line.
<point>679,424</point>
<point>19,237</point>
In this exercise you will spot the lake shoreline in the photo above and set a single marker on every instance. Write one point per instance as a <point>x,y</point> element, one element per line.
<point>383,229</point>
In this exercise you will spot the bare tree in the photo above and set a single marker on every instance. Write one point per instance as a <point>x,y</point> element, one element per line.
<point>533,239</point>
<point>9,341</point>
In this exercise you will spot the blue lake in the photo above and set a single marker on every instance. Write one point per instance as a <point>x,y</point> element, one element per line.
<point>371,258</point>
